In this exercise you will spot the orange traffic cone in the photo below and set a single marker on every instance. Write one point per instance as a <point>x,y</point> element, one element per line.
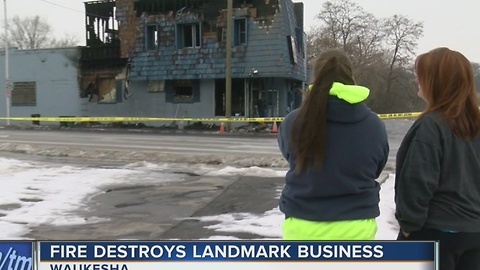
<point>275,128</point>
<point>222,128</point>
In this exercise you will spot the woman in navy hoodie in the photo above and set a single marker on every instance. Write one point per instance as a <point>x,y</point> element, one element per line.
<point>336,148</point>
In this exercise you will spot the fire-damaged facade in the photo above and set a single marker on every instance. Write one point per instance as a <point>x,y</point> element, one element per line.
<point>101,65</point>
<point>167,58</point>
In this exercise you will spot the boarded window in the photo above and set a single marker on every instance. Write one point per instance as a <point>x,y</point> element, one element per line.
<point>24,94</point>
<point>156,86</point>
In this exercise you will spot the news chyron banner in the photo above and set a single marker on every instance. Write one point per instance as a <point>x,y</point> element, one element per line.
<point>235,255</point>
<point>16,255</point>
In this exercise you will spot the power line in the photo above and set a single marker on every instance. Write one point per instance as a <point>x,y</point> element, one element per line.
<point>55,4</point>
<point>76,10</point>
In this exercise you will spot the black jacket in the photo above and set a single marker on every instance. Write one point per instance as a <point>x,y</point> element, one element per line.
<point>437,182</point>
<point>345,187</point>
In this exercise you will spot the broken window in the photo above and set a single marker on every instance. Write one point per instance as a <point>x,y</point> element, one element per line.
<point>101,24</point>
<point>183,91</point>
<point>24,94</point>
<point>238,97</point>
<point>107,90</point>
<point>188,35</point>
<point>292,48</point>
<point>102,37</point>
<point>240,32</point>
<point>152,38</point>
<point>221,34</point>
<point>299,38</point>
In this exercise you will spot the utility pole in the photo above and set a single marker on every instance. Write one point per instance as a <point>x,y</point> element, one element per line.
<point>228,63</point>
<point>8,83</point>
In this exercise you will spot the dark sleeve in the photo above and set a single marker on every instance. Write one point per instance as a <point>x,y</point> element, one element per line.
<point>284,133</point>
<point>282,143</point>
<point>384,159</point>
<point>416,183</point>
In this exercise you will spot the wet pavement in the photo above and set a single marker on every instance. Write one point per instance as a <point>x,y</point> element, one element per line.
<point>165,211</point>
<point>159,212</point>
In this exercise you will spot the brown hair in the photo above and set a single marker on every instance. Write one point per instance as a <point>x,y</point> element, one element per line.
<point>309,132</point>
<point>447,82</point>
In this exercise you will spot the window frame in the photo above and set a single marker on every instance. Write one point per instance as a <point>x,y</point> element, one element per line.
<point>237,31</point>
<point>196,35</point>
<point>183,84</point>
<point>149,46</point>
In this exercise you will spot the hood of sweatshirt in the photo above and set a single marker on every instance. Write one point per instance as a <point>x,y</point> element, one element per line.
<point>345,104</point>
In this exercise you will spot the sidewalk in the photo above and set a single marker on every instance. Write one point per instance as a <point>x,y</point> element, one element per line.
<point>177,210</point>
<point>159,212</point>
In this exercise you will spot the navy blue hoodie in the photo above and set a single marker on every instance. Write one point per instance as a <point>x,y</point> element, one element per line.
<point>345,188</point>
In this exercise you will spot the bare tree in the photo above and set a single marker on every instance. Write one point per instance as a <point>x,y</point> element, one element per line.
<point>380,51</point>
<point>402,35</point>
<point>366,48</point>
<point>29,33</point>
<point>476,70</point>
<point>346,25</point>
<point>66,41</point>
<point>34,33</point>
<point>344,20</point>
<point>314,43</point>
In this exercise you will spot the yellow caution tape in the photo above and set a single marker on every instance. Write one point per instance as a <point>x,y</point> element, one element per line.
<point>140,119</point>
<point>399,115</point>
<point>159,119</point>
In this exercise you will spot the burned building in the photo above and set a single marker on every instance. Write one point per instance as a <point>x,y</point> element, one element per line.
<point>101,62</point>
<point>167,58</point>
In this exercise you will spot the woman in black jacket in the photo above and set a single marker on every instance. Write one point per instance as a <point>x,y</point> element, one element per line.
<point>437,185</point>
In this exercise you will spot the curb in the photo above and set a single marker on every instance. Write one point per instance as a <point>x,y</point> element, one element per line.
<point>146,131</point>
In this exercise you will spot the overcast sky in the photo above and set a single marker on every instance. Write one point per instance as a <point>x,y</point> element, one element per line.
<point>455,24</point>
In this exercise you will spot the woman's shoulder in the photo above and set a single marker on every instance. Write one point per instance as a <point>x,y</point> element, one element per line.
<point>428,127</point>
<point>291,115</point>
<point>429,119</point>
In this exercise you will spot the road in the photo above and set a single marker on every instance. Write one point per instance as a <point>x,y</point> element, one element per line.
<point>238,150</point>
<point>171,210</point>
<point>172,144</point>
<point>175,144</point>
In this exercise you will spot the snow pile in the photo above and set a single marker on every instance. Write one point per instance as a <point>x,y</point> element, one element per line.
<point>153,157</point>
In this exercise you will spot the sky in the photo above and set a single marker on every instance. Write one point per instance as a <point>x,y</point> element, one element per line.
<point>454,24</point>
<point>27,187</point>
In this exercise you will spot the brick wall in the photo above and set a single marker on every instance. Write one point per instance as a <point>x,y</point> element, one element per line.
<point>129,27</point>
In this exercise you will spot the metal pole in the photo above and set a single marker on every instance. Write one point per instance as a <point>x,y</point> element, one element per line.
<point>228,64</point>
<point>7,71</point>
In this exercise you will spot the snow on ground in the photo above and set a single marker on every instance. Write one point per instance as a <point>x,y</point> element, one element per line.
<point>268,225</point>
<point>34,194</point>
<point>387,224</point>
<point>206,170</point>
<point>251,171</point>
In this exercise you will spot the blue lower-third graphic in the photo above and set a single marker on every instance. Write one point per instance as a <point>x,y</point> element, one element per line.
<point>16,255</point>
